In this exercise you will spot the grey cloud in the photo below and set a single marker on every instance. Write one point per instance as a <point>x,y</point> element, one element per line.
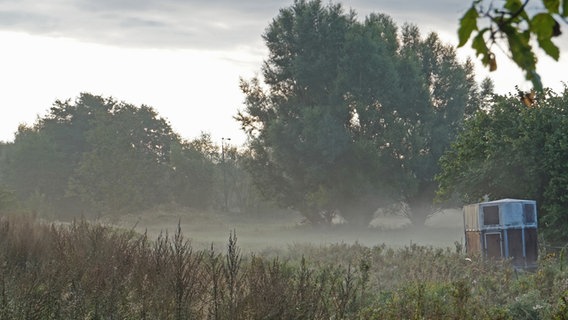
<point>133,22</point>
<point>436,15</point>
<point>18,20</point>
<point>213,24</point>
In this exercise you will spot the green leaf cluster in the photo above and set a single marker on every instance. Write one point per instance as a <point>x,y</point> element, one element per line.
<point>513,23</point>
<point>510,150</point>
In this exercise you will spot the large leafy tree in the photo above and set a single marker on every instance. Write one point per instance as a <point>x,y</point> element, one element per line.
<point>514,150</point>
<point>301,142</point>
<point>437,93</point>
<point>352,114</point>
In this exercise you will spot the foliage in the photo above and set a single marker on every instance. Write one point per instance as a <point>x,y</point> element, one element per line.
<point>516,24</point>
<point>127,153</point>
<point>352,115</point>
<point>81,270</point>
<point>95,155</point>
<point>8,200</point>
<point>34,164</point>
<point>192,166</point>
<point>511,150</point>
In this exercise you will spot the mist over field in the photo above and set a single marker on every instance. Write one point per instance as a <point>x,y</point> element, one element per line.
<point>282,230</point>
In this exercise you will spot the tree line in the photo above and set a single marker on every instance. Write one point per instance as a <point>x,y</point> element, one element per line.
<point>96,156</point>
<point>347,115</point>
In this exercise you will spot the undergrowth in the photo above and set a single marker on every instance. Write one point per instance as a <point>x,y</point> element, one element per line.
<point>93,271</point>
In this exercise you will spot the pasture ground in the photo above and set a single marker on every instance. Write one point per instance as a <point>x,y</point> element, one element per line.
<point>280,231</point>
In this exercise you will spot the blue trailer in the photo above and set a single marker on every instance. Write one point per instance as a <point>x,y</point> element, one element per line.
<point>505,228</point>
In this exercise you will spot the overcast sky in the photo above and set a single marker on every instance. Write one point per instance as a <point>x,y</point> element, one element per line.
<point>182,57</point>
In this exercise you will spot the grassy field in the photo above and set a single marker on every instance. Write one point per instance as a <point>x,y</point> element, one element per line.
<point>281,230</point>
<point>164,267</point>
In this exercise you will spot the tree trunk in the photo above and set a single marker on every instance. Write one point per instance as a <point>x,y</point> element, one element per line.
<point>420,212</point>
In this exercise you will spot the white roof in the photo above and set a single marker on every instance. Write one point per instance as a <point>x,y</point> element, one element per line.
<point>507,200</point>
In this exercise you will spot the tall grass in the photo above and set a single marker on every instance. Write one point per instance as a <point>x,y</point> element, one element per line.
<point>92,271</point>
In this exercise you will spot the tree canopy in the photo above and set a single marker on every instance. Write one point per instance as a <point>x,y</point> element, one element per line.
<point>127,155</point>
<point>514,150</point>
<point>96,155</point>
<point>352,114</point>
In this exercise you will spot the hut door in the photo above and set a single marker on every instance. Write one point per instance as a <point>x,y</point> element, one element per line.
<point>493,245</point>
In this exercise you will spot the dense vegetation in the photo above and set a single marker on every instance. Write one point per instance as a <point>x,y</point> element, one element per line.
<point>98,156</point>
<point>351,115</point>
<point>85,271</point>
<point>514,148</point>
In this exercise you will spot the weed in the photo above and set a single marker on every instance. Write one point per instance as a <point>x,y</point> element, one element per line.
<point>91,271</point>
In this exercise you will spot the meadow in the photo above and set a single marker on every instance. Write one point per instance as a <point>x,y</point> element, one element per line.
<point>279,230</point>
<point>129,270</point>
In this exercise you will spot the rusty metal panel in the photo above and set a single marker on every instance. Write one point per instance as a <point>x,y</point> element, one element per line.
<point>473,242</point>
<point>493,245</point>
